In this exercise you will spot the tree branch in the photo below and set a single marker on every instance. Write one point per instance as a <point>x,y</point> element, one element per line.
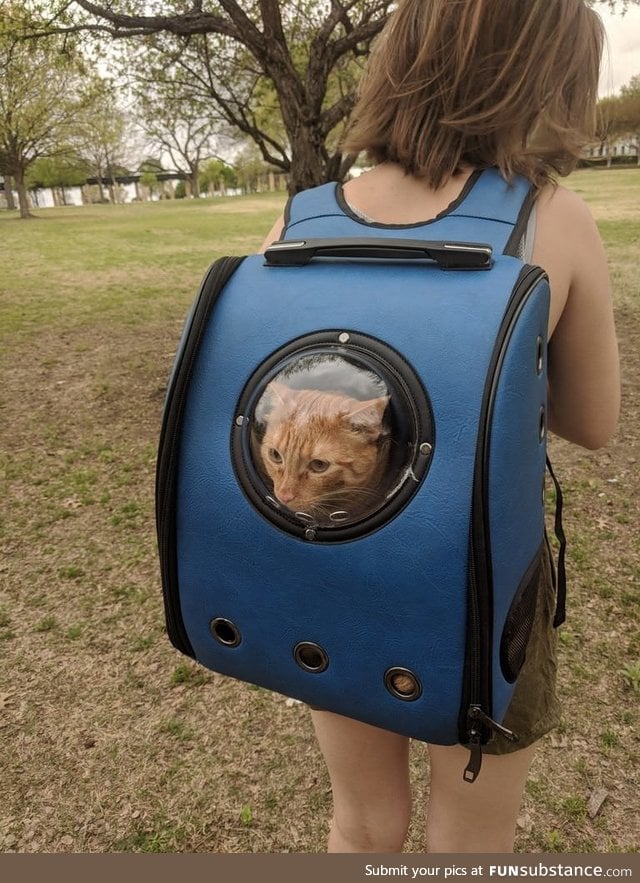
<point>125,25</point>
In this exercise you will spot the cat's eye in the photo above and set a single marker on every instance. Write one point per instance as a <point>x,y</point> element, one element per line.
<point>275,456</point>
<point>319,465</point>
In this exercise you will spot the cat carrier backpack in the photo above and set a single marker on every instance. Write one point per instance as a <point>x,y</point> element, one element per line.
<point>351,470</point>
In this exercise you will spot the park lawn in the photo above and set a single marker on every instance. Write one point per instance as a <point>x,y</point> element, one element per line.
<point>114,742</point>
<point>124,264</point>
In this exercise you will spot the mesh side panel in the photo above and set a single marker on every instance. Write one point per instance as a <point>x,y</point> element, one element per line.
<point>519,623</point>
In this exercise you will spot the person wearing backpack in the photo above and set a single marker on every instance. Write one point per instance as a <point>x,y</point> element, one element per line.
<point>453,87</point>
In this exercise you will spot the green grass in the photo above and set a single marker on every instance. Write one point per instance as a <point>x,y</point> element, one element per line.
<point>118,264</point>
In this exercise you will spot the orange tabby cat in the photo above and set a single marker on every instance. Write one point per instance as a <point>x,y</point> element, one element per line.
<point>325,452</point>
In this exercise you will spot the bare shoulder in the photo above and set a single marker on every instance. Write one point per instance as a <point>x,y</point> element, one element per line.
<point>567,224</point>
<point>568,246</point>
<point>565,211</point>
<point>273,234</point>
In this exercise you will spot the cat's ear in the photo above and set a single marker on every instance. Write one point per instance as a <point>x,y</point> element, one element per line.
<point>280,393</point>
<point>367,416</point>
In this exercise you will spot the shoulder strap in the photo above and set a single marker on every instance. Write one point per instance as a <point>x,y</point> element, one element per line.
<point>501,207</point>
<point>314,203</point>
<point>558,576</point>
<point>505,202</point>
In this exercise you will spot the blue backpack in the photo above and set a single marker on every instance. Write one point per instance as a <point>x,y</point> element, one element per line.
<point>350,481</point>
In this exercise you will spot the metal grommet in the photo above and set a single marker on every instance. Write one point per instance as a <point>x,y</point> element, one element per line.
<point>225,632</point>
<point>344,337</point>
<point>273,502</point>
<point>311,657</point>
<point>426,448</point>
<point>403,684</point>
<point>539,354</point>
<point>543,423</point>
<point>339,516</point>
<point>239,420</point>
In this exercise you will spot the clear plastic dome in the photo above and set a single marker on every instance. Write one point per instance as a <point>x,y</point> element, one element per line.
<point>332,437</point>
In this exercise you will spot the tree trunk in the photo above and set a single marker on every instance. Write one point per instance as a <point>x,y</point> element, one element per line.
<point>23,196</point>
<point>195,183</point>
<point>308,163</point>
<point>112,189</point>
<point>8,192</point>
<point>100,187</point>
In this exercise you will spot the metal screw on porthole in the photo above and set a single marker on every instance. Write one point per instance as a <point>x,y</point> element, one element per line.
<point>239,420</point>
<point>225,632</point>
<point>403,684</point>
<point>344,337</point>
<point>311,657</point>
<point>426,448</point>
<point>310,534</point>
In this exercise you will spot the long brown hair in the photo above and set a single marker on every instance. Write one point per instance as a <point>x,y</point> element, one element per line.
<point>481,83</point>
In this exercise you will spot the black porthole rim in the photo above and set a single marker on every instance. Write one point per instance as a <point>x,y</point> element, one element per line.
<point>227,623</point>
<point>324,656</point>
<point>400,370</point>
<point>400,670</point>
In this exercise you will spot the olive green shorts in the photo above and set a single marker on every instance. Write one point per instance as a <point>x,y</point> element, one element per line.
<point>534,709</point>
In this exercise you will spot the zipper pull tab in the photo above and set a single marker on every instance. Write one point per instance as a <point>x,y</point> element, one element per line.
<point>478,715</point>
<point>472,769</point>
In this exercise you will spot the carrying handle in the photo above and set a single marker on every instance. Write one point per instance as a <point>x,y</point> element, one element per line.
<point>448,255</point>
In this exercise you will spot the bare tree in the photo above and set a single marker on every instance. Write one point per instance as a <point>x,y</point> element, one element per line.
<point>175,119</point>
<point>304,50</point>
<point>41,99</point>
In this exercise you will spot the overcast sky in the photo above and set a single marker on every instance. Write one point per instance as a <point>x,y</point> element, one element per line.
<point>622,61</point>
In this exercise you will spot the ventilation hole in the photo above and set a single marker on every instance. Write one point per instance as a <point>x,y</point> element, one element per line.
<point>543,424</point>
<point>402,684</point>
<point>225,632</point>
<point>310,657</point>
<point>539,355</point>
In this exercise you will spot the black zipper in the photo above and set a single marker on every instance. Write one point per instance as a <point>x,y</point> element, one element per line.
<point>166,468</point>
<point>475,722</point>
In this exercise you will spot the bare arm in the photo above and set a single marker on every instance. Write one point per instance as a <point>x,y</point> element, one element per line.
<point>584,373</point>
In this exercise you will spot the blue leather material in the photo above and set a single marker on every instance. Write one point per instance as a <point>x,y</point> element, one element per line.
<point>398,596</point>
<point>487,214</point>
<point>394,598</point>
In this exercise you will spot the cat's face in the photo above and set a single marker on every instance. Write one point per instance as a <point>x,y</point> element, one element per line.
<point>323,449</point>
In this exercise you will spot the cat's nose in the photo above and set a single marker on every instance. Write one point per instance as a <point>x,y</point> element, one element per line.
<point>286,496</point>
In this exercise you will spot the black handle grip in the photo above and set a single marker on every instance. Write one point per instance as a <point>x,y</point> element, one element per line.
<point>448,255</point>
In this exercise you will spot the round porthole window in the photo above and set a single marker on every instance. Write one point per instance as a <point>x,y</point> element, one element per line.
<point>332,436</point>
